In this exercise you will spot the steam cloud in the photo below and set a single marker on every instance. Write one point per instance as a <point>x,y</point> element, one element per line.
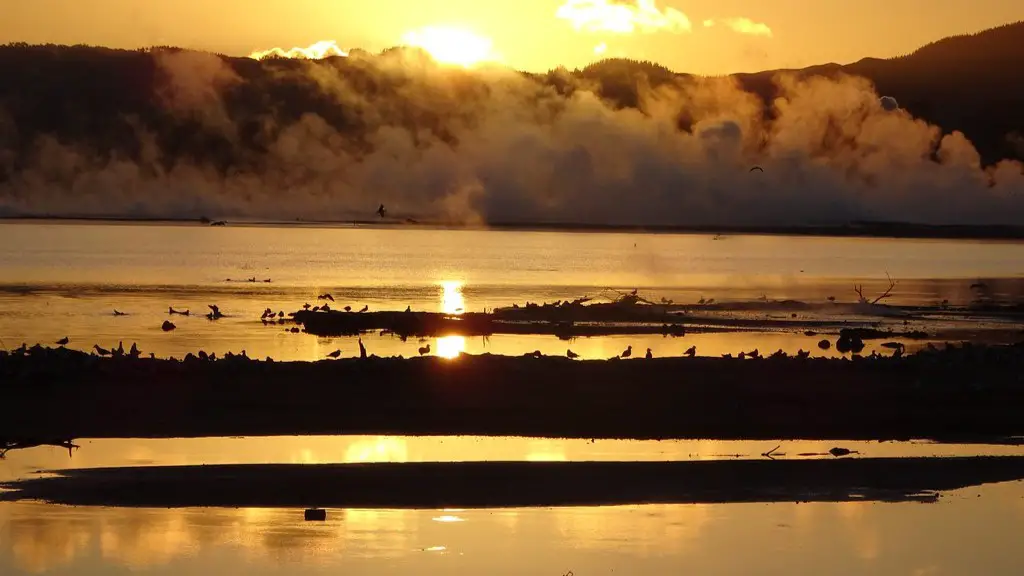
<point>516,148</point>
<point>317,51</point>
<point>622,16</point>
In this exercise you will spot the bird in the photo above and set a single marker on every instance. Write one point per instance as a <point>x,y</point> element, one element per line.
<point>134,352</point>
<point>117,313</point>
<point>119,351</point>
<point>571,355</point>
<point>325,297</point>
<point>425,350</point>
<point>756,168</point>
<point>381,211</point>
<point>362,349</point>
<point>628,351</point>
<point>334,354</point>
<point>408,308</point>
<point>754,354</point>
<point>365,308</point>
<point>63,341</point>
<point>167,326</point>
<point>649,354</point>
<point>691,351</point>
<point>101,351</point>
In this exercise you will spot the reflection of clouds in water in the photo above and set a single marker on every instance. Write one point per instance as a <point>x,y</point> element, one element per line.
<point>381,449</point>
<point>140,538</point>
<point>40,544</point>
<point>634,529</point>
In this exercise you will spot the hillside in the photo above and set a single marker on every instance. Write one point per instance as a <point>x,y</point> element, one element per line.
<point>162,108</point>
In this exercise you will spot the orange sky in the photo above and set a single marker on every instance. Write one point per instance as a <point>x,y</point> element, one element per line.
<point>527,34</point>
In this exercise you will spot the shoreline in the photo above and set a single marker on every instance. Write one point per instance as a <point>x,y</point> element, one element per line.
<point>972,392</point>
<point>892,230</point>
<point>436,485</point>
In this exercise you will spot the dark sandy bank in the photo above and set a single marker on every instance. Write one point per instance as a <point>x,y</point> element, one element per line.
<point>509,484</point>
<point>962,393</point>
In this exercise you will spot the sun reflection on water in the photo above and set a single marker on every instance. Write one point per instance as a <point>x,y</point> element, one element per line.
<point>452,301</point>
<point>451,346</point>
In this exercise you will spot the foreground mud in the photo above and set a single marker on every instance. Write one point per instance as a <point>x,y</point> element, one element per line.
<point>966,393</point>
<point>509,484</point>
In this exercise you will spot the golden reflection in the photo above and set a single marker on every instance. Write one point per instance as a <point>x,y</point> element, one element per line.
<point>448,518</point>
<point>382,449</point>
<point>451,346</point>
<point>452,301</point>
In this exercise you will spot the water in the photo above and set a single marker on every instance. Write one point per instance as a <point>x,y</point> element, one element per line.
<point>112,452</point>
<point>972,531</point>
<point>65,279</point>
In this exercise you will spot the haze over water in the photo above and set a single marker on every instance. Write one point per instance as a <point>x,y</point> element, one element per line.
<point>65,279</point>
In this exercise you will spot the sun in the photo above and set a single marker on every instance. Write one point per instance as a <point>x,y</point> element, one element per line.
<point>451,45</point>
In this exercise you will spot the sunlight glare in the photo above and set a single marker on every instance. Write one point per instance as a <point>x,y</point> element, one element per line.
<point>450,45</point>
<point>451,346</point>
<point>452,301</point>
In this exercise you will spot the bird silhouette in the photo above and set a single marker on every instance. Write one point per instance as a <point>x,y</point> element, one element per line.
<point>571,355</point>
<point>628,351</point>
<point>365,308</point>
<point>101,351</point>
<point>691,351</point>
<point>756,168</point>
<point>325,297</point>
<point>63,341</point>
<point>334,354</point>
<point>425,350</point>
<point>117,313</point>
<point>134,352</point>
<point>649,354</point>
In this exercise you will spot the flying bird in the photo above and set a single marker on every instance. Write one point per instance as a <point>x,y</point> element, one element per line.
<point>757,168</point>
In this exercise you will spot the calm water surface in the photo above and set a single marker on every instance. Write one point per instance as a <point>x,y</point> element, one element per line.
<point>65,279</point>
<point>972,531</point>
<point>110,452</point>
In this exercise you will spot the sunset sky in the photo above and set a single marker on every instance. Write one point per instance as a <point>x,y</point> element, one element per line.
<point>699,36</point>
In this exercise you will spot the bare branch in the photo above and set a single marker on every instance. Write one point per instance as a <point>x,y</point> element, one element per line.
<point>859,289</point>
<point>888,291</point>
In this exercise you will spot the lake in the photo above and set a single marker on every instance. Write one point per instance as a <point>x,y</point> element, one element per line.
<point>66,279</point>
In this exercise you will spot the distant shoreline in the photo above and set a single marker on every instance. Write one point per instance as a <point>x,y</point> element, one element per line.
<point>851,230</point>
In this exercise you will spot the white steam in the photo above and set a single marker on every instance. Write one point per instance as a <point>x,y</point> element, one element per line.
<point>493,145</point>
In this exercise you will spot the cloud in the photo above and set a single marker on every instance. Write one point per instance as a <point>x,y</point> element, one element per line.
<point>622,16</point>
<point>494,145</point>
<point>317,51</point>
<point>742,26</point>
